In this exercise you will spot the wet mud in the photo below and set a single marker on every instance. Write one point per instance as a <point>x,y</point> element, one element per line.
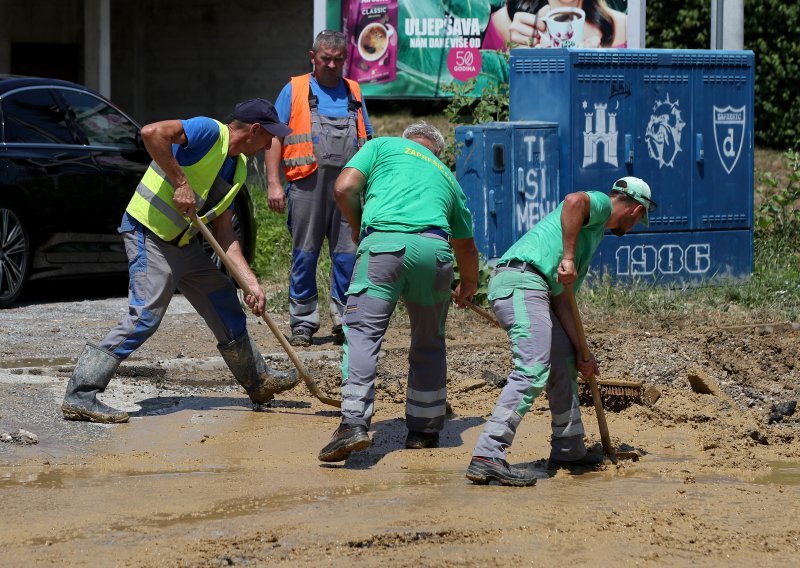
<point>199,479</point>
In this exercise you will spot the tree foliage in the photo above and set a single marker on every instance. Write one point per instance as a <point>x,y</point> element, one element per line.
<point>770,31</point>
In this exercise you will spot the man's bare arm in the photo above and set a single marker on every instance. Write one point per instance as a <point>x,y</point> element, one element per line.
<point>467,257</point>
<point>158,138</point>
<point>223,230</point>
<point>574,213</point>
<point>347,192</point>
<point>272,161</point>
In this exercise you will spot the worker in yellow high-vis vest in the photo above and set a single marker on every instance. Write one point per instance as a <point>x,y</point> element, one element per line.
<point>199,165</point>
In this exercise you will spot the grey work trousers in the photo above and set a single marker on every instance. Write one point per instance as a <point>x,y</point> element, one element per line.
<point>156,268</point>
<point>313,216</point>
<point>420,268</point>
<point>543,357</point>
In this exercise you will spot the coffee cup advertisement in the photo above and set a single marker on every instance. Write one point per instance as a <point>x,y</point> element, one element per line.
<point>371,29</point>
<point>418,48</point>
<point>565,27</point>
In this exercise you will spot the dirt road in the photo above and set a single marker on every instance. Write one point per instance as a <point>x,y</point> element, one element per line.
<point>198,479</point>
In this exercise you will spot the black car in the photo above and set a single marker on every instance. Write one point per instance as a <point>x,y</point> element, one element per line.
<point>69,163</point>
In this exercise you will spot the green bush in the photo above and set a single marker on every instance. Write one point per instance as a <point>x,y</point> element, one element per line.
<point>771,32</point>
<point>777,220</point>
<point>464,107</point>
<point>273,242</point>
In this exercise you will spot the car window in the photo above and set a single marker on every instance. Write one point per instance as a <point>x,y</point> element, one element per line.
<point>101,123</point>
<point>34,116</point>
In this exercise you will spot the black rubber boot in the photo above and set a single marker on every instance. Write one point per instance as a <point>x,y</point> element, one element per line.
<point>93,372</point>
<point>337,332</point>
<point>260,381</point>
<point>590,461</point>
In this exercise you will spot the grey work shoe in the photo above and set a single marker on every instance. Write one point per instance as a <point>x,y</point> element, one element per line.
<point>260,381</point>
<point>93,372</point>
<point>422,440</point>
<point>590,461</point>
<point>483,470</point>
<point>301,337</point>
<point>346,439</point>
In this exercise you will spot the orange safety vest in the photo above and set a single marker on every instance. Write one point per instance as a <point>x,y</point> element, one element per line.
<point>297,151</point>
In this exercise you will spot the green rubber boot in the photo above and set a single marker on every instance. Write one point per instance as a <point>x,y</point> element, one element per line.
<point>93,372</point>
<point>260,381</point>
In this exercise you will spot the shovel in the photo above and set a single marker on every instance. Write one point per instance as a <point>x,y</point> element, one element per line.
<point>237,276</point>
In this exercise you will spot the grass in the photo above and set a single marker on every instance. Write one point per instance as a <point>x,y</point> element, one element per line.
<point>771,294</point>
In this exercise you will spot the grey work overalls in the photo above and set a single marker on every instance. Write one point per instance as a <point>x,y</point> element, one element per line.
<point>313,215</point>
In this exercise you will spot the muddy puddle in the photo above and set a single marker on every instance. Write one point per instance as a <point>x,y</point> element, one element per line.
<point>196,478</point>
<point>213,483</point>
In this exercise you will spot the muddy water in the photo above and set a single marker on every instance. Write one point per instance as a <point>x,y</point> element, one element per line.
<point>212,483</point>
<point>197,479</point>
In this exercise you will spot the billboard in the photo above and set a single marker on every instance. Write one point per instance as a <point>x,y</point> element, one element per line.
<point>416,48</point>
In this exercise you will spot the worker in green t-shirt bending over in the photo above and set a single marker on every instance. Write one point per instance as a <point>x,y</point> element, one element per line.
<point>527,296</point>
<point>413,212</point>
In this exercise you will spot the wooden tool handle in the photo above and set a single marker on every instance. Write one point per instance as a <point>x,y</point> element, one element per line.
<point>233,270</point>
<point>480,311</point>
<point>605,437</point>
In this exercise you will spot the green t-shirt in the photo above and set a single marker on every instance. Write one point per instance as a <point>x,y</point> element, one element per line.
<point>543,246</point>
<point>409,189</point>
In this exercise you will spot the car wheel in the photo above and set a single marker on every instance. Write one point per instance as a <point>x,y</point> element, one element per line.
<point>15,255</point>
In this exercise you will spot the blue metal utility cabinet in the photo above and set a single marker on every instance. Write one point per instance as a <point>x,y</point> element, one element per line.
<point>509,173</point>
<point>680,119</point>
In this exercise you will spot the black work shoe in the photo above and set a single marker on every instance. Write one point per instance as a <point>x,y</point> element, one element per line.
<point>589,461</point>
<point>482,470</point>
<point>422,440</point>
<point>346,439</point>
<point>301,337</point>
<point>338,335</point>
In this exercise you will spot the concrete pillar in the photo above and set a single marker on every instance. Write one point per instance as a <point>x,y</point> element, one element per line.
<point>320,17</point>
<point>636,23</point>
<point>727,24</point>
<point>97,45</point>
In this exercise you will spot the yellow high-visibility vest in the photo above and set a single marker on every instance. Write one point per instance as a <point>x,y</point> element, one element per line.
<point>152,203</point>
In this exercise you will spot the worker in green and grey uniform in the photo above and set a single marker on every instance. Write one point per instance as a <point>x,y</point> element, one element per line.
<point>526,292</point>
<point>413,206</point>
<point>198,164</point>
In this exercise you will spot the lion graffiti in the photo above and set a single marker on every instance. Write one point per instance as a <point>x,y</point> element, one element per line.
<point>663,134</point>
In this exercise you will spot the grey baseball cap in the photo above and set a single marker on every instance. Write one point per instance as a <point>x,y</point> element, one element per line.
<point>638,190</point>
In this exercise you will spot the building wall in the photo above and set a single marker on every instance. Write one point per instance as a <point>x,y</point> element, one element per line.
<point>172,59</point>
<point>44,21</point>
<point>180,59</point>
<point>5,44</point>
<point>48,23</point>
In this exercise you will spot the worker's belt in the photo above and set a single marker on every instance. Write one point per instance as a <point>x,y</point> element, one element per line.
<point>429,231</point>
<point>522,267</point>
